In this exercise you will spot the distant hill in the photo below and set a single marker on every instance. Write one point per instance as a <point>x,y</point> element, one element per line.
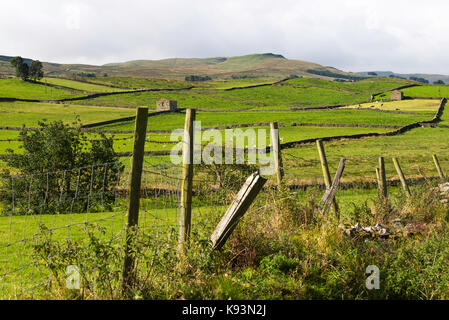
<point>254,65</point>
<point>429,77</point>
<point>5,66</point>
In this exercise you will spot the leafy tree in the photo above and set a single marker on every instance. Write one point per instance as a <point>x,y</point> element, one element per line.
<point>439,82</point>
<point>36,72</point>
<point>22,69</point>
<point>60,171</point>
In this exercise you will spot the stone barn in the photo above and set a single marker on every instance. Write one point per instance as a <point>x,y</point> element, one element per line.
<point>397,95</point>
<point>166,105</point>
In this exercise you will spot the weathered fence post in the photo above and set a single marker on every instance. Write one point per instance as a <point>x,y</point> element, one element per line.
<point>237,209</point>
<point>401,177</point>
<point>185,217</point>
<point>382,179</point>
<point>274,130</point>
<point>134,195</point>
<point>326,174</point>
<point>329,195</point>
<point>437,164</point>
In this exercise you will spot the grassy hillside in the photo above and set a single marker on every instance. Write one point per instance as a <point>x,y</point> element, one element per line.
<point>254,65</point>
<point>430,77</point>
<point>302,92</point>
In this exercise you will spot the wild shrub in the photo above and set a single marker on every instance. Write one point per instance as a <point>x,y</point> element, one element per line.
<point>60,170</point>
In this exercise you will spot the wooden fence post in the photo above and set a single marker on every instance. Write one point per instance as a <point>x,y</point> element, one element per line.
<point>401,177</point>
<point>185,218</point>
<point>326,174</point>
<point>378,180</point>
<point>329,195</point>
<point>237,209</point>
<point>134,195</point>
<point>382,180</point>
<point>274,130</point>
<point>437,164</point>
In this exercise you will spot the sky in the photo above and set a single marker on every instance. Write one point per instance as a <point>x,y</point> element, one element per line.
<point>404,36</point>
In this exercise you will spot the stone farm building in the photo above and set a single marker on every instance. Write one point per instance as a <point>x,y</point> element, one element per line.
<point>397,95</point>
<point>166,105</point>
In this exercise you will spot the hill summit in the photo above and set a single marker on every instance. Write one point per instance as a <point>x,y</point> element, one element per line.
<point>268,65</point>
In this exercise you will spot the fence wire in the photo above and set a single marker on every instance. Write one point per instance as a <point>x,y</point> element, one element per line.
<point>60,205</point>
<point>63,205</point>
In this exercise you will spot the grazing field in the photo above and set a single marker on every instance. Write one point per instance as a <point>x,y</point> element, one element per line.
<point>140,83</point>
<point>213,119</point>
<point>16,114</point>
<point>427,106</point>
<point>15,88</point>
<point>414,149</point>
<point>368,86</point>
<point>78,85</point>
<point>292,93</point>
<point>438,91</point>
<point>239,83</point>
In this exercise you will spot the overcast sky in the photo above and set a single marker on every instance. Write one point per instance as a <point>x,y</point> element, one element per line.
<point>352,35</point>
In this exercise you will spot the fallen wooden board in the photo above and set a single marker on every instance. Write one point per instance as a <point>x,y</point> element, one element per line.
<point>329,195</point>
<point>239,206</point>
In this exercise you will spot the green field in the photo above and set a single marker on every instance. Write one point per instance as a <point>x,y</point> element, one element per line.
<point>414,150</point>
<point>292,93</point>
<point>160,208</point>
<point>403,105</point>
<point>14,88</point>
<point>213,119</point>
<point>439,91</point>
<point>140,83</point>
<point>16,114</point>
<point>78,85</point>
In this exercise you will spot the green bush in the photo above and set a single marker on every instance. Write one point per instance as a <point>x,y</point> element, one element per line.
<point>60,171</point>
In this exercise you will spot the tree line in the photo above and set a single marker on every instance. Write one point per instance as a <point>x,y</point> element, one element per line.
<point>24,71</point>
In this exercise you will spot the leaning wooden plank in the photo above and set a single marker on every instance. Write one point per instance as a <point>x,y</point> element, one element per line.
<point>241,203</point>
<point>329,195</point>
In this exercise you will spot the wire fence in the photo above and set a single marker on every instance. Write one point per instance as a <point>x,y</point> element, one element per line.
<point>63,206</point>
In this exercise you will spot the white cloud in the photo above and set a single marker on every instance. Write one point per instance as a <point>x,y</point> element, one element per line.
<point>403,36</point>
<point>73,17</point>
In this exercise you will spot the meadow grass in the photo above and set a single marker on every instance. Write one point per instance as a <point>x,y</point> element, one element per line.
<point>78,85</point>
<point>419,105</point>
<point>16,114</point>
<point>292,93</point>
<point>212,119</point>
<point>212,99</point>
<point>414,150</point>
<point>238,83</point>
<point>15,88</point>
<point>439,91</point>
<point>367,86</point>
<point>140,83</point>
